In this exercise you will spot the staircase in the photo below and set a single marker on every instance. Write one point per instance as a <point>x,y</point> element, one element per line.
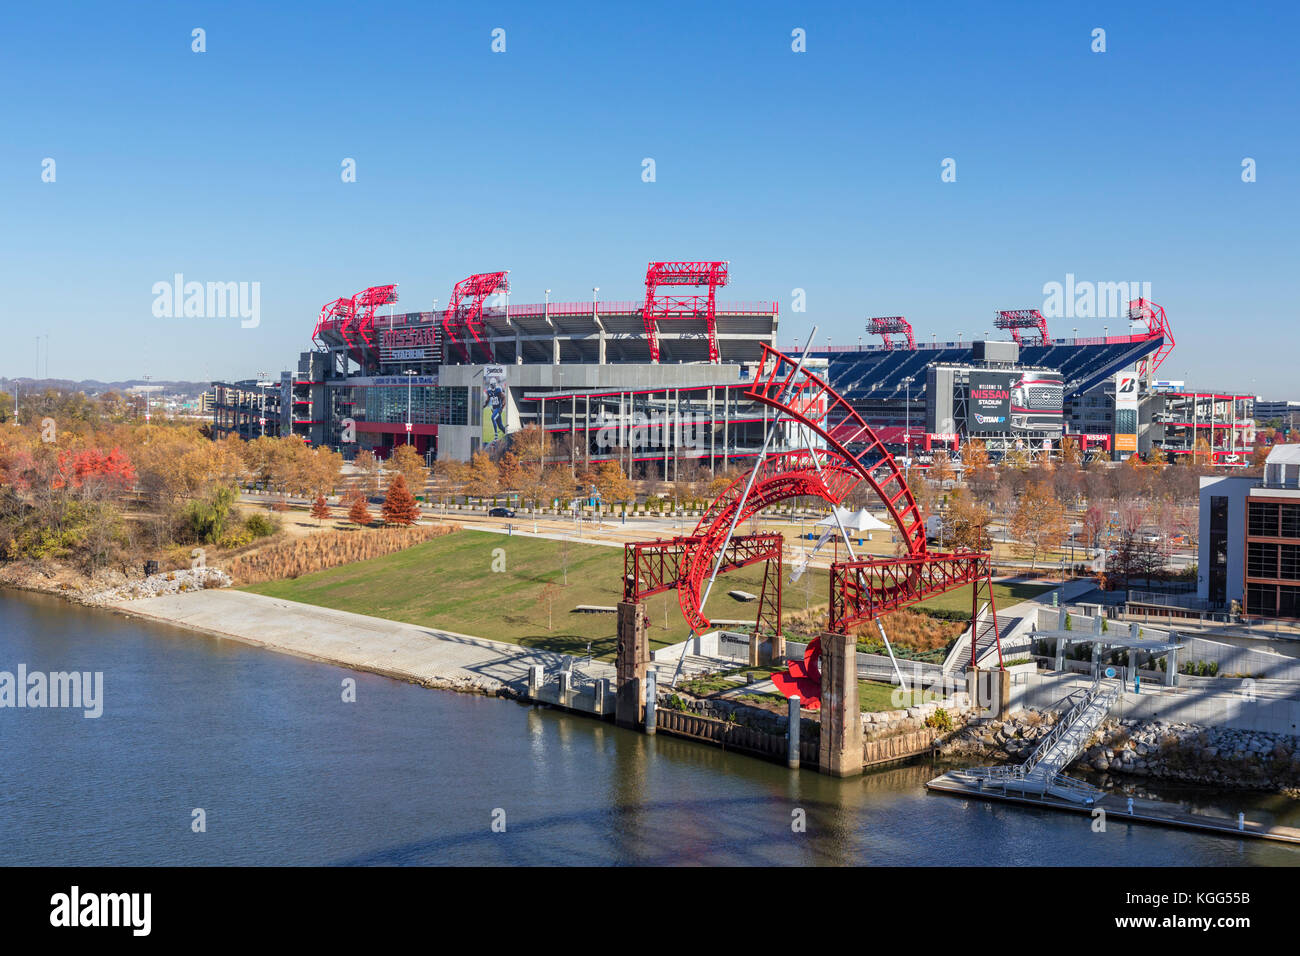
<point>959,657</point>
<point>1084,711</point>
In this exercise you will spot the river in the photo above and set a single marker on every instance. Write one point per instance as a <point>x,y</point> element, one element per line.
<point>286,772</point>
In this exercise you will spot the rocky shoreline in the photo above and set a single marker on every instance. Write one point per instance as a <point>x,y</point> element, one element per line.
<point>1156,750</point>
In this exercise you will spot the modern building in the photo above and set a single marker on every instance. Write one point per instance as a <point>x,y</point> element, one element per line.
<point>1250,539</point>
<point>247,409</point>
<point>1284,413</point>
<point>1225,423</point>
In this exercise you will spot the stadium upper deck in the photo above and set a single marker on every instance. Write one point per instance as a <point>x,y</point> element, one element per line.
<point>876,374</point>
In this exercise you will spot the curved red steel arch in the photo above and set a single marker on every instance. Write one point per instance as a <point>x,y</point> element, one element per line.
<point>798,394</point>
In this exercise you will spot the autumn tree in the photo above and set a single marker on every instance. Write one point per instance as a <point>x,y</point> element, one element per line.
<point>612,483</point>
<point>320,509</point>
<point>1038,521</point>
<point>967,522</point>
<point>977,466</point>
<point>359,513</point>
<point>941,469</point>
<point>399,506</point>
<point>481,480</point>
<point>1071,453</point>
<point>366,463</point>
<point>406,460</point>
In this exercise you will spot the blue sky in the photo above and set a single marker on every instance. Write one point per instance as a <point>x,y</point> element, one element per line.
<point>816,170</point>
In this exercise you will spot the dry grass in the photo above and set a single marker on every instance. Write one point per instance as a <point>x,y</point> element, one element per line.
<point>328,549</point>
<point>917,631</point>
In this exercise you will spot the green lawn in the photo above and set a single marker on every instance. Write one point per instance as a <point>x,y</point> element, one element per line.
<point>450,583</point>
<point>1004,595</point>
<point>876,696</point>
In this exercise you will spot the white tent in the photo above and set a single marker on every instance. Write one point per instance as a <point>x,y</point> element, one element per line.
<point>862,520</point>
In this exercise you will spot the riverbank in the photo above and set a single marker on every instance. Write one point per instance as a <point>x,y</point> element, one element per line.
<point>423,655</point>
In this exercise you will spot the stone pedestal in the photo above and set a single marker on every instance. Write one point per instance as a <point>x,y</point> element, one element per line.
<point>630,663</point>
<point>990,691</point>
<point>767,651</point>
<point>841,719</point>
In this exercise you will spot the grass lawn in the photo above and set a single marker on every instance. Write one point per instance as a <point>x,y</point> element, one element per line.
<point>450,583</point>
<point>875,696</point>
<point>1004,595</point>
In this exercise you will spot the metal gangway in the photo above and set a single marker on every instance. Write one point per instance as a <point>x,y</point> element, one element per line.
<point>1083,712</point>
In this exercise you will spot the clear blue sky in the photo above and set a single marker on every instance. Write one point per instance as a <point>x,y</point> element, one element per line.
<point>818,170</point>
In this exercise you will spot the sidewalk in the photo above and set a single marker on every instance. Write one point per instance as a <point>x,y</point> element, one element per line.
<point>404,651</point>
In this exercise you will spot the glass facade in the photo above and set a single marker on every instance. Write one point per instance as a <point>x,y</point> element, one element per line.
<point>429,404</point>
<point>1271,562</point>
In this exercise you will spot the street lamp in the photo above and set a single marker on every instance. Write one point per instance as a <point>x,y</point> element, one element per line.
<point>409,429</point>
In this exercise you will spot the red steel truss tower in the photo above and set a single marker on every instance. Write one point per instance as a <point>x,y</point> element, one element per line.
<point>887,325</point>
<point>1017,319</point>
<point>1143,310</point>
<point>463,320</point>
<point>658,307</point>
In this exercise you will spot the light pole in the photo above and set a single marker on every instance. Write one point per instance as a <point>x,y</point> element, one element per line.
<point>907,430</point>
<point>261,402</point>
<point>409,373</point>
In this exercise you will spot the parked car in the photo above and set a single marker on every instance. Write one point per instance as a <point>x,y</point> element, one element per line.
<point>501,513</point>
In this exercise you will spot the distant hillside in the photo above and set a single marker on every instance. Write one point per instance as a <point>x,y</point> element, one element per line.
<point>94,387</point>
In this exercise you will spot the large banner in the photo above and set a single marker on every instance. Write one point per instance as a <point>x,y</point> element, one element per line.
<point>500,417</point>
<point>1126,411</point>
<point>989,402</point>
<point>1037,401</point>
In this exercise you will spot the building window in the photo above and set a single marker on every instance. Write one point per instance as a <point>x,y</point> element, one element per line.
<point>1261,599</point>
<point>1261,560</point>
<point>1289,561</point>
<point>1290,515</point>
<point>1218,595</point>
<point>1262,521</point>
<point>1288,601</point>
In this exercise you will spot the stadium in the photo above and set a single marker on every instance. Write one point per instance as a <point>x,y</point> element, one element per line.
<point>657,382</point>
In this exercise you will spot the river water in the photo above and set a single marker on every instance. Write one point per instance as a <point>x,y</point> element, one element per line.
<point>286,772</point>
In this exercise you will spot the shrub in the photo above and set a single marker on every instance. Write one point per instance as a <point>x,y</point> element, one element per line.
<point>259,525</point>
<point>939,720</point>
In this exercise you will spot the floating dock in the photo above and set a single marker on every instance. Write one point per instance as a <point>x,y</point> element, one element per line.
<point>960,784</point>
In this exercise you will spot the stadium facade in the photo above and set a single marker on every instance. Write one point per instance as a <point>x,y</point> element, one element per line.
<point>658,382</point>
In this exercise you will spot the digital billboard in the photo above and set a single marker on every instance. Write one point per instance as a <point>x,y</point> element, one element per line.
<point>1037,399</point>
<point>989,402</point>
<point>1126,412</point>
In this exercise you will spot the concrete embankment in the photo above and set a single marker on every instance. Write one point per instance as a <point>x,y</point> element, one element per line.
<point>424,655</point>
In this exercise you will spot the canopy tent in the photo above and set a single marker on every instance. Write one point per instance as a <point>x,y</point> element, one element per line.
<point>861,520</point>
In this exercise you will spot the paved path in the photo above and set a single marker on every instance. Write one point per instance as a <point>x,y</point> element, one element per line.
<point>405,651</point>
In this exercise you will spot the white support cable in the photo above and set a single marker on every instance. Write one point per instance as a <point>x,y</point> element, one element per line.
<point>848,545</point>
<point>740,505</point>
